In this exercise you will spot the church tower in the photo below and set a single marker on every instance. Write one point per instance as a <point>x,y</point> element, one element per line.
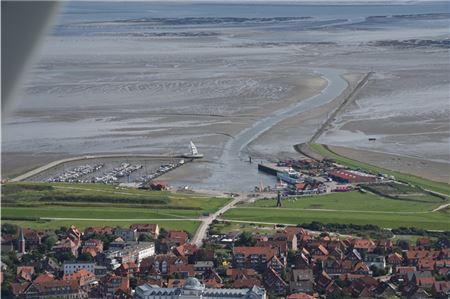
<point>21,242</point>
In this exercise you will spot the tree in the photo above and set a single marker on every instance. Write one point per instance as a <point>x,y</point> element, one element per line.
<point>86,257</point>
<point>9,229</point>
<point>245,239</point>
<point>66,256</point>
<point>145,238</point>
<point>403,244</point>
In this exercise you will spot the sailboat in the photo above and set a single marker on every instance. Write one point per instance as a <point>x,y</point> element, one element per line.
<point>193,152</point>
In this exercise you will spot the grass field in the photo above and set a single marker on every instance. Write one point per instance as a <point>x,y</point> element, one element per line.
<point>91,204</point>
<point>345,208</point>
<point>351,201</point>
<point>424,183</point>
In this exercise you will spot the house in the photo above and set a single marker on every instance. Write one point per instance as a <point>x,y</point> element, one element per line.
<point>395,259</point>
<point>50,289</point>
<point>111,283</point>
<point>274,282</point>
<point>240,273</point>
<point>182,270</point>
<point>92,246</point>
<point>301,280</point>
<point>425,282</point>
<point>25,273</point>
<point>252,257</point>
<point>177,238</point>
<point>279,265</point>
<point>423,243</point>
<point>186,250</point>
<point>202,266</point>
<point>44,277</point>
<point>243,278</point>
<point>289,238</point>
<point>73,234</point>
<point>375,260</point>
<point>159,264</point>
<point>300,296</point>
<point>384,245</point>
<point>441,289</point>
<point>66,246</point>
<point>83,277</point>
<point>70,267</point>
<point>51,265</point>
<point>364,245</point>
<point>325,284</point>
<point>98,230</point>
<point>362,287</point>
<point>385,290</point>
<point>149,229</point>
<point>127,234</point>
<point>301,261</point>
<point>127,268</point>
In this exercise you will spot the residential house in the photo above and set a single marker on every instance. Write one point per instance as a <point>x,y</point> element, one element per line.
<point>301,280</point>
<point>149,229</point>
<point>83,277</point>
<point>274,282</point>
<point>252,257</point>
<point>127,234</point>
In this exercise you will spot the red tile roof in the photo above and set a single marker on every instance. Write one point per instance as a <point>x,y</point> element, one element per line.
<point>247,251</point>
<point>300,296</point>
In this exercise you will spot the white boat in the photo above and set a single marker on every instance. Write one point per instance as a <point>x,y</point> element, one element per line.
<point>193,152</point>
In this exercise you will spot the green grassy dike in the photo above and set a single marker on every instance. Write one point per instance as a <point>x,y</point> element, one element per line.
<point>51,205</point>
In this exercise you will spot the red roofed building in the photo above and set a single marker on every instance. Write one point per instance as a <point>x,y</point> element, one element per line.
<point>274,283</point>
<point>177,237</point>
<point>25,273</point>
<point>186,250</point>
<point>43,278</point>
<point>148,228</point>
<point>83,277</point>
<point>300,296</point>
<point>101,230</point>
<point>441,289</point>
<point>111,283</point>
<point>182,270</point>
<point>66,245</point>
<point>252,257</point>
<point>364,245</point>
<point>350,176</point>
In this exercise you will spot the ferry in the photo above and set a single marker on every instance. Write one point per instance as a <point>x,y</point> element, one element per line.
<point>290,176</point>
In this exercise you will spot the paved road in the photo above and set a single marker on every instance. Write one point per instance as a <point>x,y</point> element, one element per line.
<point>201,232</point>
<point>120,219</point>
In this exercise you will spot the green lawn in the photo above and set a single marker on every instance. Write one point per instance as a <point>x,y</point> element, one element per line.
<point>424,183</point>
<point>429,220</point>
<point>350,201</point>
<point>98,213</point>
<point>188,226</point>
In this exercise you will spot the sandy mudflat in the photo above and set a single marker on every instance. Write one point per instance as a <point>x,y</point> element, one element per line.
<point>150,79</point>
<point>435,171</point>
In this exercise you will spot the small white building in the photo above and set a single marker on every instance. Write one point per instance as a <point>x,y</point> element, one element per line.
<point>193,289</point>
<point>376,260</point>
<point>70,267</point>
